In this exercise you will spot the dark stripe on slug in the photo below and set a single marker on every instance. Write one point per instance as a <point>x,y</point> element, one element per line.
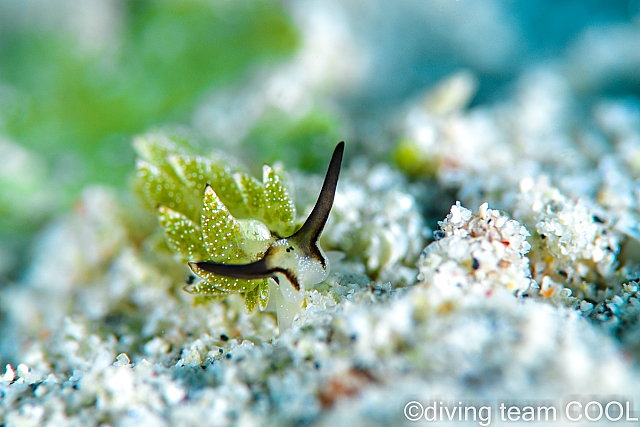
<point>316,254</point>
<point>254,270</point>
<point>291,277</point>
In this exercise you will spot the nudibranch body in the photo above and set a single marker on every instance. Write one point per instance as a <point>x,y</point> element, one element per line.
<point>294,262</point>
<point>229,227</point>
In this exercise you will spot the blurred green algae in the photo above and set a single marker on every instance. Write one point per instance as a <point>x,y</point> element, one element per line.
<point>301,142</point>
<point>72,110</point>
<point>170,53</point>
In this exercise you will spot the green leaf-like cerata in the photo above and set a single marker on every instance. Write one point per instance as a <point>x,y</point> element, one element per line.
<point>197,172</point>
<point>221,231</point>
<point>280,211</point>
<point>183,235</point>
<point>209,211</point>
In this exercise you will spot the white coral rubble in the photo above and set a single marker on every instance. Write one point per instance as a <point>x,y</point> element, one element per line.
<point>574,241</point>
<point>478,252</point>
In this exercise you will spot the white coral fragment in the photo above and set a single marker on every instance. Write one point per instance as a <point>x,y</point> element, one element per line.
<point>479,252</point>
<point>375,218</point>
<point>574,240</point>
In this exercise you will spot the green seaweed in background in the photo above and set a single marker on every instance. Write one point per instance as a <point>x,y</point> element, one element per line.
<point>301,143</point>
<point>171,53</point>
<point>78,108</point>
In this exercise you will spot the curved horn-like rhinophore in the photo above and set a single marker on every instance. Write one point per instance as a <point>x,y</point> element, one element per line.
<point>313,226</point>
